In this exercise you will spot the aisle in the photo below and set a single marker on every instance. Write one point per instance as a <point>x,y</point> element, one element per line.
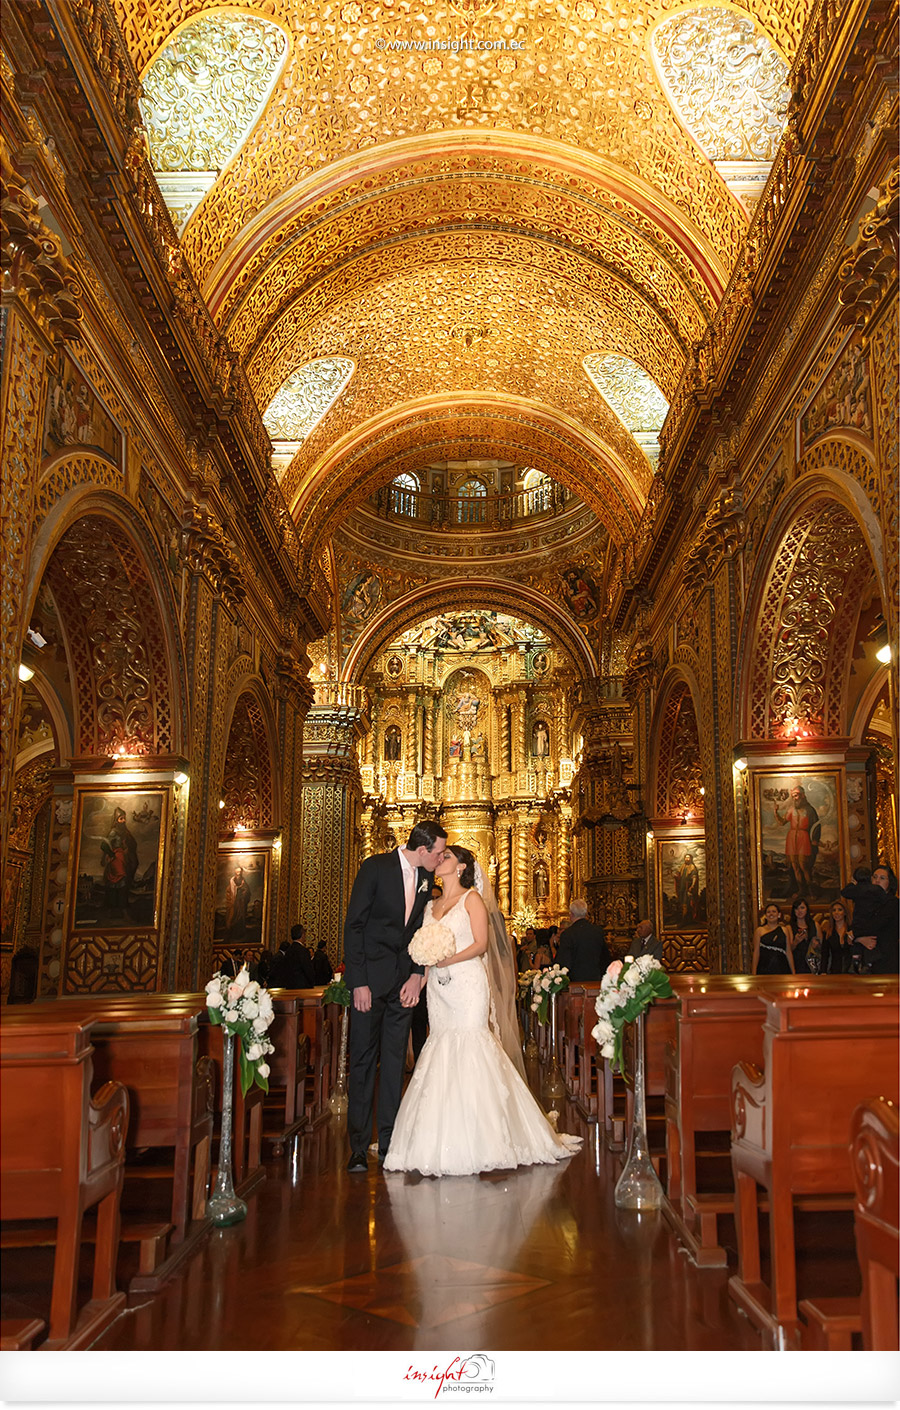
<point>533,1260</point>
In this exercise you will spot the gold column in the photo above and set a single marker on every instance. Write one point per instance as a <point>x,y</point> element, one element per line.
<point>521,878</point>
<point>412,734</point>
<point>505,755</point>
<point>503,897</point>
<point>520,754</point>
<point>562,861</point>
<point>429,734</point>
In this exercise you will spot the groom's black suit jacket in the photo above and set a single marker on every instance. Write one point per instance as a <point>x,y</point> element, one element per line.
<point>376,932</point>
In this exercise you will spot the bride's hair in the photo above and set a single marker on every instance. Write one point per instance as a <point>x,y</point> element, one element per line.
<point>462,854</point>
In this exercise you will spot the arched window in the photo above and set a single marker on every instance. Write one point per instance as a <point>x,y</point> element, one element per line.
<point>303,399</point>
<point>470,506</point>
<point>203,93</point>
<point>404,494</point>
<point>538,492</point>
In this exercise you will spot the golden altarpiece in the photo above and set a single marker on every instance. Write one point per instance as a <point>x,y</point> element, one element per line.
<point>491,443</point>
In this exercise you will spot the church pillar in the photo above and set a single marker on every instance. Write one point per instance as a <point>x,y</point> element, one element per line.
<point>521,870</point>
<point>332,807</point>
<point>503,863</point>
<point>294,696</point>
<point>562,851</point>
<point>40,313</point>
<point>520,759</point>
<point>505,759</point>
<point>713,581</point>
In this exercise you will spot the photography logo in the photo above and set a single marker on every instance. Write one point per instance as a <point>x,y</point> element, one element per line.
<point>465,1375</point>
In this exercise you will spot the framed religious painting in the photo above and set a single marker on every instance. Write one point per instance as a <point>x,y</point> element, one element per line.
<point>119,860</point>
<point>242,896</point>
<point>798,822</point>
<point>681,866</point>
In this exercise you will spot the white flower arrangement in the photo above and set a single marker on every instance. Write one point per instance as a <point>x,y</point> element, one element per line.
<point>546,982</point>
<point>244,1010</point>
<point>432,944</point>
<point>626,990</point>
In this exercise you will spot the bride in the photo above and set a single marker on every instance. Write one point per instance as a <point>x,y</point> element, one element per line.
<point>467,1107</point>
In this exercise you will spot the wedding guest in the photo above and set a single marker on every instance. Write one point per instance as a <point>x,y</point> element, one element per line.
<point>582,945</point>
<point>885,958</point>
<point>553,941</point>
<point>772,944</point>
<point>277,968</point>
<point>838,940</point>
<point>807,939</point>
<point>323,973</point>
<point>542,958</point>
<point>645,942</point>
<point>298,963</point>
<point>870,918</point>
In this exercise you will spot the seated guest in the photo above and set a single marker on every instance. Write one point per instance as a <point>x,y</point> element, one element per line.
<point>838,940</point>
<point>645,942</point>
<point>542,958</point>
<point>773,951</point>
<point>807,941</point>
<point>553,941</point>
<point>323,973</point>
<point>582,946</point>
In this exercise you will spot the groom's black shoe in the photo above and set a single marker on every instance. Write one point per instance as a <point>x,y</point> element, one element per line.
<point>358,1163</point>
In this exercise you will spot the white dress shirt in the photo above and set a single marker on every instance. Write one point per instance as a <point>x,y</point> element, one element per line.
<point>409,881</point>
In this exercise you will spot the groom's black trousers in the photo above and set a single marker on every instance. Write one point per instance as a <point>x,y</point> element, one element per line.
<point>378,1041</point>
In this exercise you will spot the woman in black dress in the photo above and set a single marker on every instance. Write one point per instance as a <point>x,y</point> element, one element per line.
<point>838,941</point>
<point>772,944</point>
<point>807,941</point>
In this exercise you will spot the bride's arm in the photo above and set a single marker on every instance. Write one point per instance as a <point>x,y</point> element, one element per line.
<point>479,922</point>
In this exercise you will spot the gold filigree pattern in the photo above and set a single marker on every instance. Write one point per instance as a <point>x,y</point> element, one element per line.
<point>299,405</point>
<point>726,80</point>
<point>633,396</point>
<point>201,96</point>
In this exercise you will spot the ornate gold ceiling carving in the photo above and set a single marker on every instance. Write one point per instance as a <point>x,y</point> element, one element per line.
<point>469,594</point>
<point>415,436</point>
<point>303,398</point>
<point>585,77</point>
<point>727,81</point>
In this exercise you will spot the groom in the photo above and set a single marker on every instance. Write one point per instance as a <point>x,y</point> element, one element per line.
<point>386,904</point>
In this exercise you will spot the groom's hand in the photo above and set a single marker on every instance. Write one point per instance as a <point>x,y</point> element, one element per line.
<point>409,994</point>
<point>362,998</point>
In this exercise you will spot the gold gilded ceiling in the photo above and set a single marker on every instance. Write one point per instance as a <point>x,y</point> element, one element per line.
<point>467,200</point>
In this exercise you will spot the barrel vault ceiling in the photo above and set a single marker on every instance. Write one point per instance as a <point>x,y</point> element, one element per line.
<point>464,225</point>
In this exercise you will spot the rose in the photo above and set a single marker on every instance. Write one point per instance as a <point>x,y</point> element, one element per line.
<point>260,1025</point>
<point>263,1069</point>
<point>213,1000</point>
<point>232,1016</point>
<point>254,1052</point>
<point>213,987</point>
<point>235,991</point>
<point>614,970</point>
<point>252,990</point>
<point>251,1007</point>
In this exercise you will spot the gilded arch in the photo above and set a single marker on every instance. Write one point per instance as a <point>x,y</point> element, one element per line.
<point>677,775</point>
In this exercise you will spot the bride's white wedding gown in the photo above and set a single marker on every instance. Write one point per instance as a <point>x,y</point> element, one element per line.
<point>466,1108</point>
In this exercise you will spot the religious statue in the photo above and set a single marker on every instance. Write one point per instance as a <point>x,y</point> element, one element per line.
<point>467,704</point>
<point>540,740</point>
<point>237,901</point>
<point>541,882</point>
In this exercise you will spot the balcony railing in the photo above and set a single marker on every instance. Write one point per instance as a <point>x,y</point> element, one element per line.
<point>491,511</point>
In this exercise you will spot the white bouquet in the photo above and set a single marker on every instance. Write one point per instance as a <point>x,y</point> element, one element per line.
<point>626,990</point>
<point>546,982</point>
<point>244,1009</point>
<point>432,944</point>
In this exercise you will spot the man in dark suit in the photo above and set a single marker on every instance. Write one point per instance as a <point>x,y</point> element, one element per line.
<point>386,905</point>
<point>645,942</point>
<point>582,946</point>
<point>298,965</point>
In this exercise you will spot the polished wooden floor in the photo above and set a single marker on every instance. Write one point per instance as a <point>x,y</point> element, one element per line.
<point>534,1259</point>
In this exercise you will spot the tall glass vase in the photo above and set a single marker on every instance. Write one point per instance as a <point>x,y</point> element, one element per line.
<point>338,1102</point>
<point>224,1206</point>
<point>553,1088</point>
<point>531,1047</point>
<point>638,1185</point>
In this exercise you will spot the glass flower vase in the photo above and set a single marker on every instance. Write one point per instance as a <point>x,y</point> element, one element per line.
<point>338,1101</point>
<point>224,1206</point>
<point>553,1088</point>
<point>638,1186</point>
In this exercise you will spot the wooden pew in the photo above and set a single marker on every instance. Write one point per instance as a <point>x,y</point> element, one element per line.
<point>61,1153</point>
<point>718,1023</point>
<point>826,1048</point>
<point>875,1159</point>
<point>289,1069</point>
<point>149,1043</point>
<point>317,1023</point>
<point>247,1112</point>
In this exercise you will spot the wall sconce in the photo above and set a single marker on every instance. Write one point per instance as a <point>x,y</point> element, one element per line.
<point>181,780</point>
<point>883,654</point>
<point>276,844</point>
<point>649,835</point>
<point>221,803</point>
<point>25,672</point>
<point>740,764</point>
<point>702,792</point>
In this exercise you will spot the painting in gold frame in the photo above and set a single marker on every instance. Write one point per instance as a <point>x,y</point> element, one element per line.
<point>242,896</point>
<point>119,859</point>
<point>799,843</point>
<point>681,867</point>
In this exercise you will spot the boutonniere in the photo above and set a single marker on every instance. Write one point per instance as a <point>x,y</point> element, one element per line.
<point>423,887</point>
